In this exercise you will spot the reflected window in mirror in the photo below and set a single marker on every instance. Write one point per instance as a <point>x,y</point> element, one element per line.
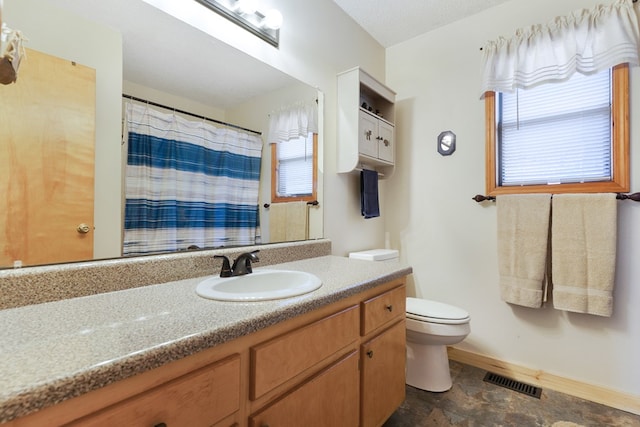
<point>294,169</point>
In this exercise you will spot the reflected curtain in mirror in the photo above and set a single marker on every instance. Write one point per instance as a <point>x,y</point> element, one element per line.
<point>188,183</point>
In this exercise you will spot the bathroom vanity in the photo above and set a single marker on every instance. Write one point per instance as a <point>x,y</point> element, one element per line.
<point>160,355</point>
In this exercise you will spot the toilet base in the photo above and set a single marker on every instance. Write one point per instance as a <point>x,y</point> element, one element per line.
<point>428,367</point>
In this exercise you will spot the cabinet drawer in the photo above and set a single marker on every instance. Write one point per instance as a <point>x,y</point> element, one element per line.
<point>382,309</point>
<point>200,398</point>
<point>282,358</point>
<point>328,399</point>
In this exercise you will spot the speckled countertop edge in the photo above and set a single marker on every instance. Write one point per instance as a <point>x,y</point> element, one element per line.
<point>40,284</point>
<point>93,341</point>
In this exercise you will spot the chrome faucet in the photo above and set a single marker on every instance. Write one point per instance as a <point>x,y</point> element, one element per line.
<point>242,264</point>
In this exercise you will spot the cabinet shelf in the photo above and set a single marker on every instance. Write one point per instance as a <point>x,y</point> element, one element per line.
<point>366,124</point>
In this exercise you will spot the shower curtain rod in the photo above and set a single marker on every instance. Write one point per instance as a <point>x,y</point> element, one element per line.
<point>155,104</point>
<point>620,196</point>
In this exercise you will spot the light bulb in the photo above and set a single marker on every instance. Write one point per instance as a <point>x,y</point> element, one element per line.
<point>272,19</point>
<point>246,7</point>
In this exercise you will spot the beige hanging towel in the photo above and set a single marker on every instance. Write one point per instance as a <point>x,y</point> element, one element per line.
<point>287,222</point>
<point>523,234</point>
<point>583,252</point>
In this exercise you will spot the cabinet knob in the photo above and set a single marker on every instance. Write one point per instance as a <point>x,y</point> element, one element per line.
<point>370,354</point>
<point>83,228</point>
<point>160,425</point>
<point>367,134</point>
<point>389,308</point>
<point>386,142</point>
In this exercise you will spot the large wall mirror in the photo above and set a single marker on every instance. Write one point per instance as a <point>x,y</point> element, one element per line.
<point>129,47</point>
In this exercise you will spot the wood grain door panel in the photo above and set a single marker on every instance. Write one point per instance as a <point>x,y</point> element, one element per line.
<point>47,138</point>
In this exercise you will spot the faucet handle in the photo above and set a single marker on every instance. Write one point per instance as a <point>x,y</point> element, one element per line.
<point>226,266</point>
<point>242,264</point>
<point>252,257</point>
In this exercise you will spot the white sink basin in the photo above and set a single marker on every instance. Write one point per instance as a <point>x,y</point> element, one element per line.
<point>261,285</point>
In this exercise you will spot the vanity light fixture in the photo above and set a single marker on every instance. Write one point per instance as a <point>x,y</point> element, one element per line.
<point>245,13</point>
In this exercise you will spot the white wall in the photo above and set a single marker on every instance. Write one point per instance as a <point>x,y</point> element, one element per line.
<point>451,240</point>
<point>56,32</point>
<point>185,104</point>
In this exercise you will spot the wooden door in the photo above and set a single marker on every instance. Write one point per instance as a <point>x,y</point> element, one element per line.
<point>328,399</point>
<point>201,398</point>
<point>47,135</point>
<point>383,375</point>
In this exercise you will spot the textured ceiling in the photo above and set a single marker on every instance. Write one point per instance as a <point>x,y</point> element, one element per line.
<point>393,21</point>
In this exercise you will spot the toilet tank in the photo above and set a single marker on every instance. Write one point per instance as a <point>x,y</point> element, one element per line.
<point>375,254</point>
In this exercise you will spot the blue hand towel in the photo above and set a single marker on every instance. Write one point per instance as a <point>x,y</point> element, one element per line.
<point>369,206</point>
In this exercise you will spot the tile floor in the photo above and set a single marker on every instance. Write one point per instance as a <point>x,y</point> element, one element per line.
<point>471,402</point>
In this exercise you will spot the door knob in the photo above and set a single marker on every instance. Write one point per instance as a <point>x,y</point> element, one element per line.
<point>83,228</point>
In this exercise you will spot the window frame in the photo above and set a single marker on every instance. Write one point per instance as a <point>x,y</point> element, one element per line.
<point>275,198</point>
<point>620,182</point>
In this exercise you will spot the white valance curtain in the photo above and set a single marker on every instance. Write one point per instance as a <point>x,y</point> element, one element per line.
<point>587,41</point>
<point>293,122</point>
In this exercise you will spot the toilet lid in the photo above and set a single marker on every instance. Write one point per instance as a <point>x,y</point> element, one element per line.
<point>427,310</point>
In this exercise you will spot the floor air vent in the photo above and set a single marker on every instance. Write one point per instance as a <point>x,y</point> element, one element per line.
<point>514,385</point>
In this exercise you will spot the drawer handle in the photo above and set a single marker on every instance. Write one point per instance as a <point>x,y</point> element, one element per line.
<point>389,308</point>
<point>370,354</point>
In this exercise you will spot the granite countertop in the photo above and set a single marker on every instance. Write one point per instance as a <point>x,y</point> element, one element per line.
<point>58,350</point>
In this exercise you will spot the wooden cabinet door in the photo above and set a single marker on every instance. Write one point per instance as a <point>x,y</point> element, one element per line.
<point>328,399</point>
<point>47,134</point>
<point>301,349</point>
<point>201,398</point>
<point>382,375</point>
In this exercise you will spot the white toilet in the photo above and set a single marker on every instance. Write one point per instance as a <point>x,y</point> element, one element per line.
<point>431,326</point>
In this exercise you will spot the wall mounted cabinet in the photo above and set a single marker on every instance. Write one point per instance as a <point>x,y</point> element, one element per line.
<point>366,123</point>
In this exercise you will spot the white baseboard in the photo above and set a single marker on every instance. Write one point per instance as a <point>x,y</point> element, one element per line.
<point>612,398</point>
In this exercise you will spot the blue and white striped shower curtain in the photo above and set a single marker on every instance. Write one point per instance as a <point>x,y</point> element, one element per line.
<point>188,183</point>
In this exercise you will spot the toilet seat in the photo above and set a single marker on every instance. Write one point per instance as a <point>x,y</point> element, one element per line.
<point>435,312</point>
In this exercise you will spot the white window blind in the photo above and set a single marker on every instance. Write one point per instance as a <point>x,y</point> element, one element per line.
<point>295,167</point>
<point>556,132</point>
